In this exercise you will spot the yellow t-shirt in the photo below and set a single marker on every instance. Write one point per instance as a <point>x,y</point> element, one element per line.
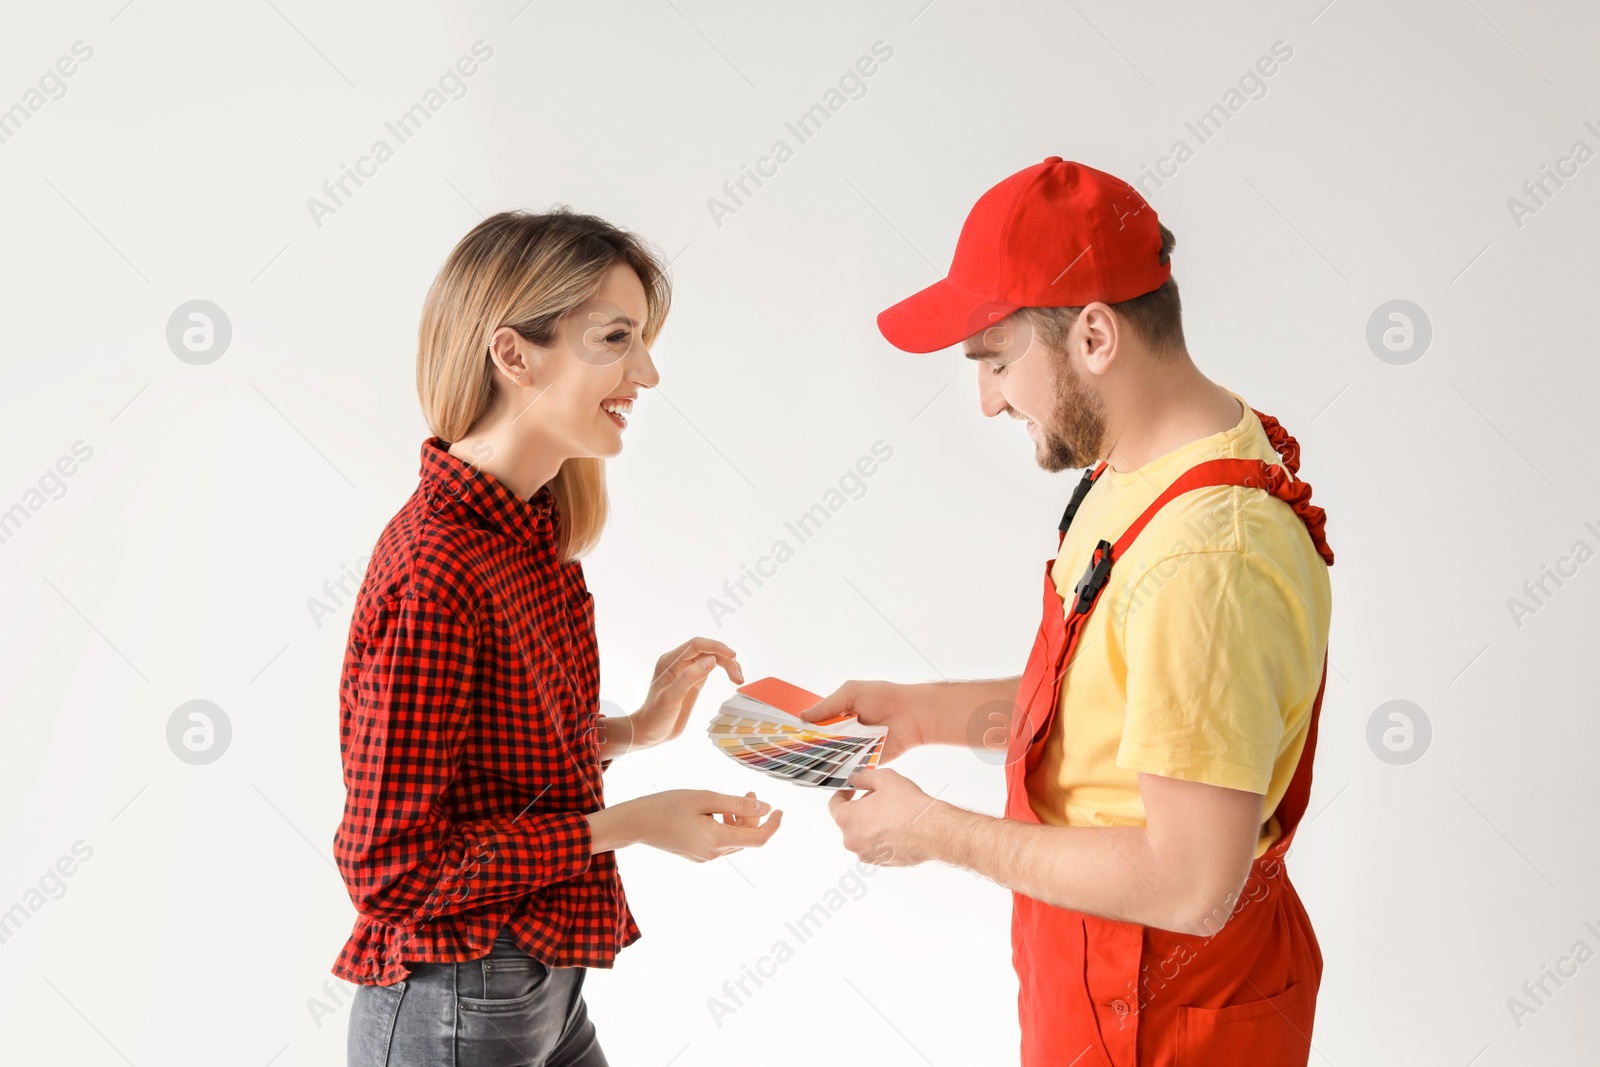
<point>1203,656</point>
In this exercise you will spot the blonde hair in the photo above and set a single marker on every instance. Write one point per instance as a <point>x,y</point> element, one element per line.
<point>525,271</point>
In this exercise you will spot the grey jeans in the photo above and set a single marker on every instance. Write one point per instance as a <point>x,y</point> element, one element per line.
<point>504,1010</point>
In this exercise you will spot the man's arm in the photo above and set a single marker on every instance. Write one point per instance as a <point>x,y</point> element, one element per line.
<point>973,714</point>
<point>1182,871</point>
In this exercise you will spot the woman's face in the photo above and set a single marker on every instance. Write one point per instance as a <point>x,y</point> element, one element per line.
<point>583,385</point>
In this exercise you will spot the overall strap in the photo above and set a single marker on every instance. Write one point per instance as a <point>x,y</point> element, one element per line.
<point>1282,442</point>
<point>1297,795</point>
<point>1248,473</point>
<point>1251,474</point>
<point>1084,485</point>
<point>1275,478</point>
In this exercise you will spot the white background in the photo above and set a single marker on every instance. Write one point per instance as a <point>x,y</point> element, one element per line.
<point>179,559</point>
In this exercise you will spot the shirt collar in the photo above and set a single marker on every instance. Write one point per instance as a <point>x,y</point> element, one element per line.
<point>454,485</point>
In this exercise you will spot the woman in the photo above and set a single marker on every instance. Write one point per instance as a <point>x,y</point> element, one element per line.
<point>475,842</point>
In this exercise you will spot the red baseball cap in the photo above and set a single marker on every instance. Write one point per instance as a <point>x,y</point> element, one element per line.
<point>1058,234</point>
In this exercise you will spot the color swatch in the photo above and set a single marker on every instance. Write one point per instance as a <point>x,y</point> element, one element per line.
<point>760,726</point>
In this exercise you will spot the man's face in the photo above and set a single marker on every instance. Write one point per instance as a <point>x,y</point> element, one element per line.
<point>1019,376</point>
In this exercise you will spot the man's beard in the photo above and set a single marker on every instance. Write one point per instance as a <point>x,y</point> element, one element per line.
<point>1077,425</point>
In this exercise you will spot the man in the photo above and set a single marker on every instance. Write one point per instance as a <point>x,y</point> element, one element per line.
<point>1158,745</point>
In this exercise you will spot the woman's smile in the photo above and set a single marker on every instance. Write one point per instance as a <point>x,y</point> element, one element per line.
<point>617,409</point>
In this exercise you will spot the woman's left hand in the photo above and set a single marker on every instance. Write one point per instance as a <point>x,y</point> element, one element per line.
<point>680,675</point>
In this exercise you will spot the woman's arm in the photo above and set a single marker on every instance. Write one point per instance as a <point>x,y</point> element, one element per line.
<point>617,736</point>
<point>402,859</point>
<point>695,823</point>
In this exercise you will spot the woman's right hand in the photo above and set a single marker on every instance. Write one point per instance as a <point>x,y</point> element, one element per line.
<point>888,704</point>
<point>686,822</point>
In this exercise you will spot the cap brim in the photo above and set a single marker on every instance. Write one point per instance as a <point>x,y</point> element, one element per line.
<point>937,317</point>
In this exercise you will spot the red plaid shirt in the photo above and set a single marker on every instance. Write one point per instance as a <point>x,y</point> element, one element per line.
<point>467,715</point>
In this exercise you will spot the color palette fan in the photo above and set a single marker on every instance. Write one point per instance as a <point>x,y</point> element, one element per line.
<point>760,726</point>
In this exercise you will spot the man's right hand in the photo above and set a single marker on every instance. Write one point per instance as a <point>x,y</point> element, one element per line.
<point>875,704</point>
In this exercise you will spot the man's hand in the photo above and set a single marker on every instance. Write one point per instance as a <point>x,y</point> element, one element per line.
<point>893,825</point>
<point>972,714</point>
<point>875,704</point>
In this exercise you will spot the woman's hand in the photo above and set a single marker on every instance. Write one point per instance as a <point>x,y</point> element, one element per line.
<point>680,675</point>
<point>697,824</point>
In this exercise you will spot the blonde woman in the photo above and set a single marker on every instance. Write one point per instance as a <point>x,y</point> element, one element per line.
<point>476,844</point>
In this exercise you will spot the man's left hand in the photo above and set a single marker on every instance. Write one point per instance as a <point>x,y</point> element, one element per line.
<point>893,824</point>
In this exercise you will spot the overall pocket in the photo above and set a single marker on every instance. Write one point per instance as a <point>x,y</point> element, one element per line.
<point>1275,1032</point>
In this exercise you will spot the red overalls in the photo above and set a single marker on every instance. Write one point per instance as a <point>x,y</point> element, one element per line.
<point>1100,993</point>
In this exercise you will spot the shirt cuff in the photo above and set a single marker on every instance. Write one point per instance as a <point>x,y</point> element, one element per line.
<point>563,840</point>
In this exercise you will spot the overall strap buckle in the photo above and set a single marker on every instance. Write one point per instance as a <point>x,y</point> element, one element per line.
<point>1094,578</point>
<point>1084,485</point>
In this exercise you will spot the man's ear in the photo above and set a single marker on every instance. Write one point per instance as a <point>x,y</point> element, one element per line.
<point>1099,336</point>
